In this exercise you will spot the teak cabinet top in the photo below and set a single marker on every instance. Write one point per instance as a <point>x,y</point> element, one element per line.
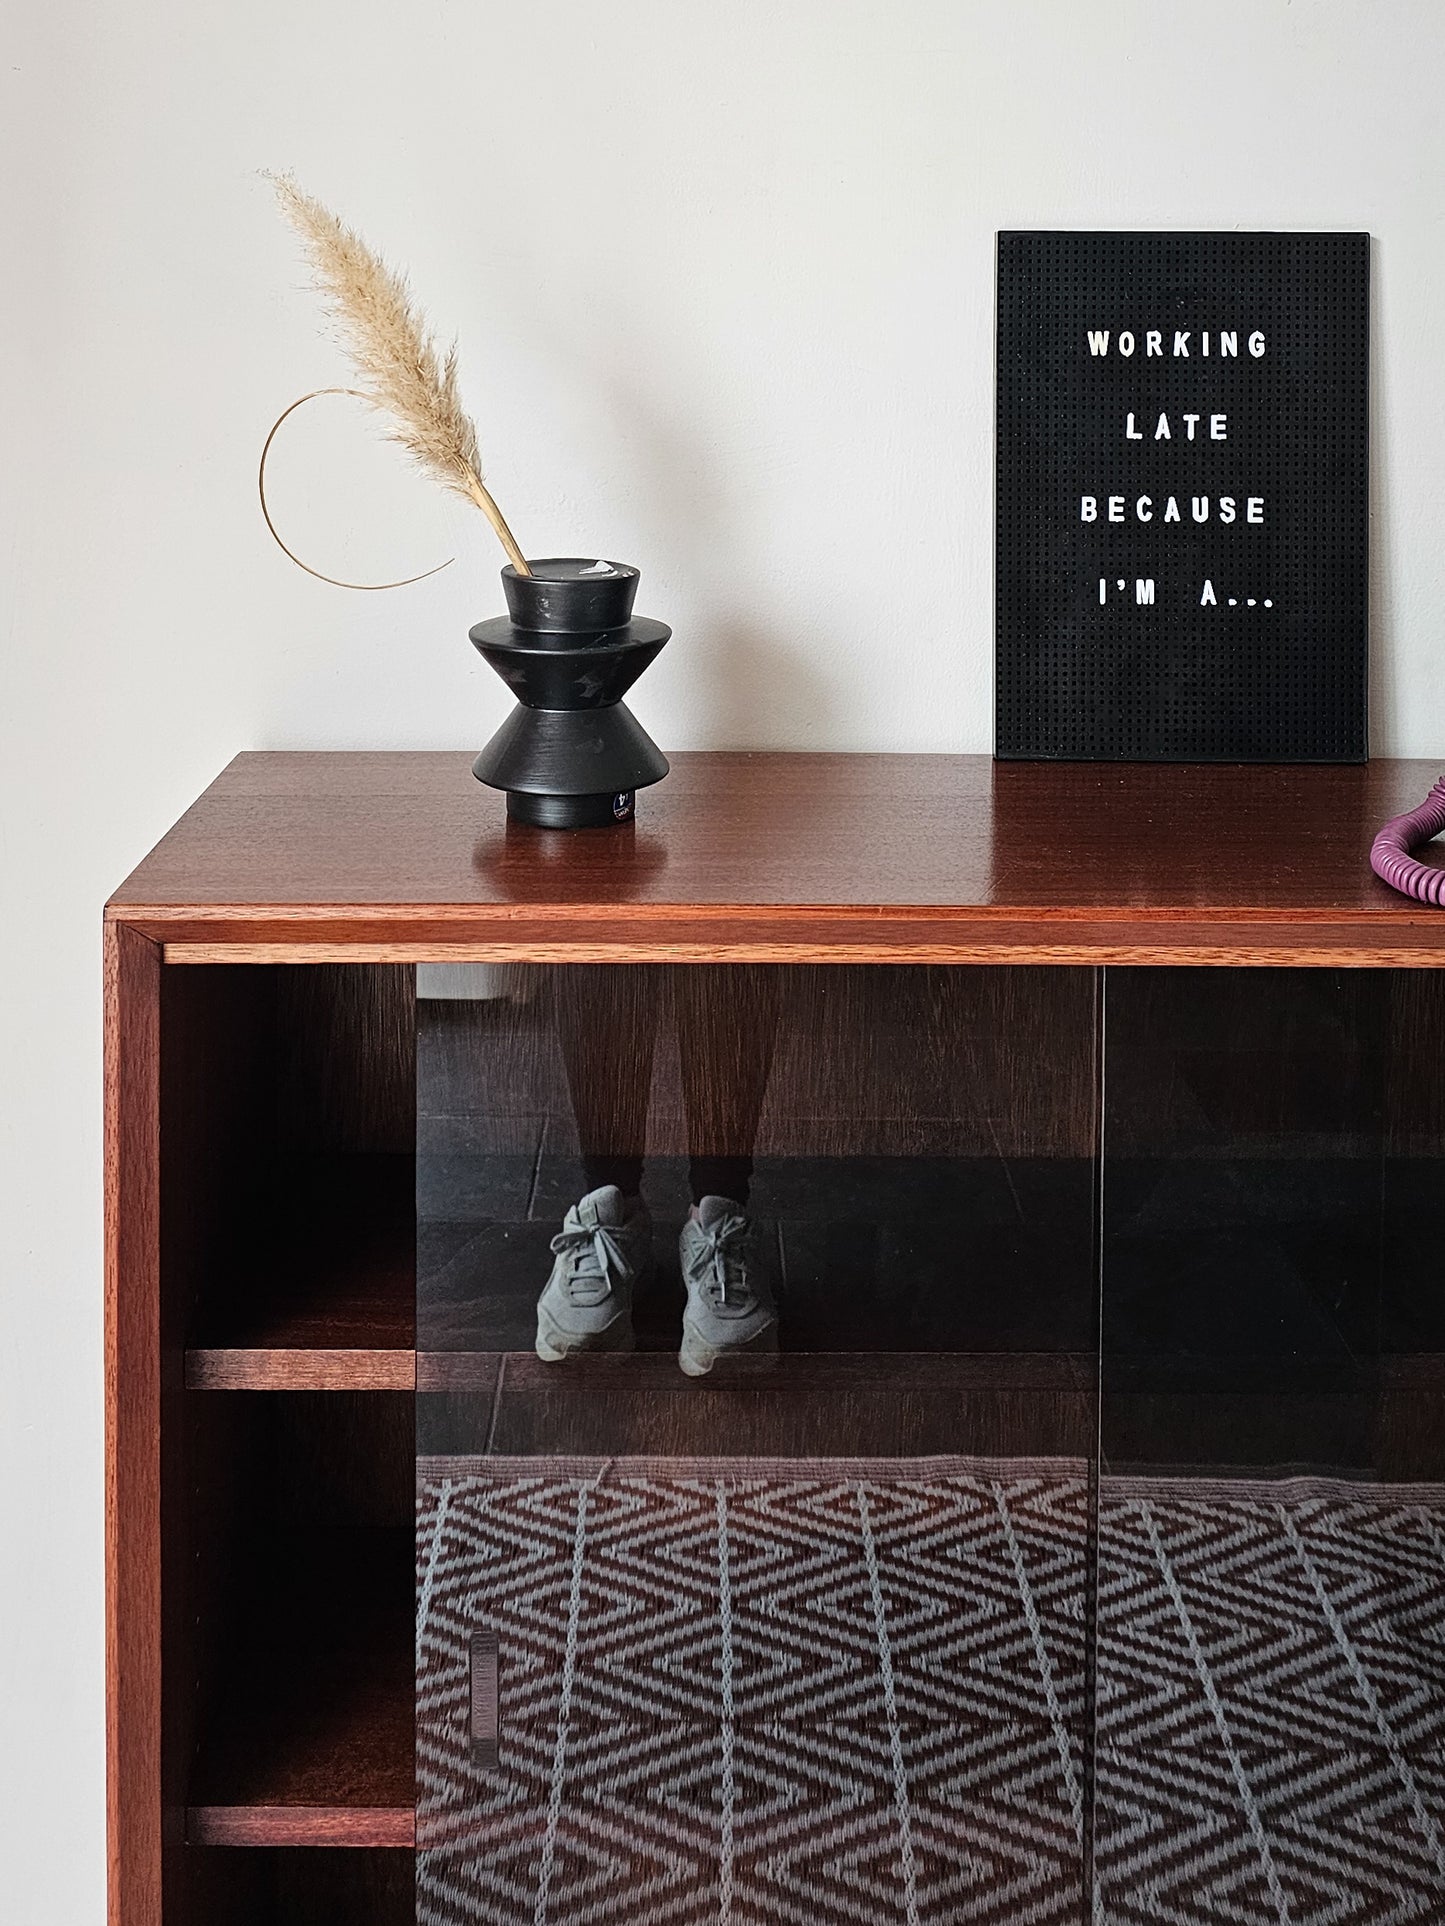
<point>400,856</point>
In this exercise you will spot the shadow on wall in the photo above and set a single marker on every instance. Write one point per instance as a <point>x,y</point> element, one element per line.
<point>754,689</point>
<point>1381,604</point>
<point>751,688</point>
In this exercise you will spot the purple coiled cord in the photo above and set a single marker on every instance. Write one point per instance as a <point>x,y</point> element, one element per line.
<point>1390,856</point>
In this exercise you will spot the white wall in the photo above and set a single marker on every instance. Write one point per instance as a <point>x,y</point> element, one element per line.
<point>723,278</point>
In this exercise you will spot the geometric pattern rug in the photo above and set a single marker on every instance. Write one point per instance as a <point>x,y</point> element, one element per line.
<point>756,1693</point>
<point>752,1693</point>
<point>1270,1726</point>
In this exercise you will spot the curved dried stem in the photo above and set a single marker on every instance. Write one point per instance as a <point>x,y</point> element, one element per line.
<point>399,368</point>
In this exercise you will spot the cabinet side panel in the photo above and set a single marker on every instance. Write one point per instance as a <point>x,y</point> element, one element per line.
<point>132,1426</point>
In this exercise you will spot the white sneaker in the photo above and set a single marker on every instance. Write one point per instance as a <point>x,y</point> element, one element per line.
<point>601,1251</point>
<point>730,1311</point>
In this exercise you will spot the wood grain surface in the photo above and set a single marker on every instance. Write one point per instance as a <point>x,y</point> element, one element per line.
<point>373,1826</point>
<point>216,1368</point>
<point>401,856</point>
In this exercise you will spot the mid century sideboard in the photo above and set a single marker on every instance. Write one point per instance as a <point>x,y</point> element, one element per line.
<point>262,1359</point>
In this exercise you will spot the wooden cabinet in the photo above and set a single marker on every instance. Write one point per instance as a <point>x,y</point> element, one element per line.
<point>261,1350</point>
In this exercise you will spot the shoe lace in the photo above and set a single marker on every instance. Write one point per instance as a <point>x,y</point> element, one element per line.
<point>591,1258</point>
<point>726,1284</point>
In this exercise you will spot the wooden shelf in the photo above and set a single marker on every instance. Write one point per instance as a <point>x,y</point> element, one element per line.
<point>297,1825</point>
<point>311,1739</point>
<point>314,1368</point>
<point>325,1297</point>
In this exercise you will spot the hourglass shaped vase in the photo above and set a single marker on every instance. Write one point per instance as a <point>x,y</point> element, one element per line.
<point>571,755</point>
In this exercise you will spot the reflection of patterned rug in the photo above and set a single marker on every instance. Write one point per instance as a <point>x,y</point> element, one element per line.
<point>756,1694</point>
<point>753,1693</point>
<point>1271,1706</point>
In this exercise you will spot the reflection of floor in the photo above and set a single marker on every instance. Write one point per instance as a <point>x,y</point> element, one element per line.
<point>838,1404</point>
<point>1271,1709</point>
<point>761,1691</point>
<point>753,1692</point>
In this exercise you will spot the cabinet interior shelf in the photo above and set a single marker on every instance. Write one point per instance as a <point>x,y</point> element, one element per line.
<point>309,1736</point>
<point>317,1290</point>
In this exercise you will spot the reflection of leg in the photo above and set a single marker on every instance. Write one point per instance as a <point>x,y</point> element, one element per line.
<point>606,1023</point>
<point>727,1022</point>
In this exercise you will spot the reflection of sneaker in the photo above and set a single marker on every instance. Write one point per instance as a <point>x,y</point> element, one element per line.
<point>602,1250</point>
<point>729,1307</point>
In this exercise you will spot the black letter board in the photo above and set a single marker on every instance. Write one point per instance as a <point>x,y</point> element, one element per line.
<point>1182,497</point>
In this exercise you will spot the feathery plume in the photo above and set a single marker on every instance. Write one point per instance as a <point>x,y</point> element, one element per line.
<point>398,365</point>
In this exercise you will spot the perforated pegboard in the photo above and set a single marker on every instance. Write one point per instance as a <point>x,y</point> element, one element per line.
<point>1273,667</point>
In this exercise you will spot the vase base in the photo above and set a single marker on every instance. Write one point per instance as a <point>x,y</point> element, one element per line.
<point>572,812</point>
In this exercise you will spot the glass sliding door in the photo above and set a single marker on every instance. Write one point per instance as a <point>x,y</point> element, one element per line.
<point>757,1393</point>
<point>1270,1636</point>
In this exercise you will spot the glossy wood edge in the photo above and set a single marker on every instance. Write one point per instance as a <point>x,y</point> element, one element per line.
<point>366,1826</point>
<point>1241,954</point>
<point>163,921</point>
<point>134,1793</point>
<point>792,933</point>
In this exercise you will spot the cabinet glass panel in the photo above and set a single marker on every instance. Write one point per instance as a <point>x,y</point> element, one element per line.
<point>757,1361</point>
<point>1270,1657</point>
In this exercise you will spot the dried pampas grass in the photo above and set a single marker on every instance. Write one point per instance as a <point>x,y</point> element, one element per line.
<point>400,370</point>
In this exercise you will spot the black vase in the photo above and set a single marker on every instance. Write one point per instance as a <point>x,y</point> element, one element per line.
<point>571,755</point>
